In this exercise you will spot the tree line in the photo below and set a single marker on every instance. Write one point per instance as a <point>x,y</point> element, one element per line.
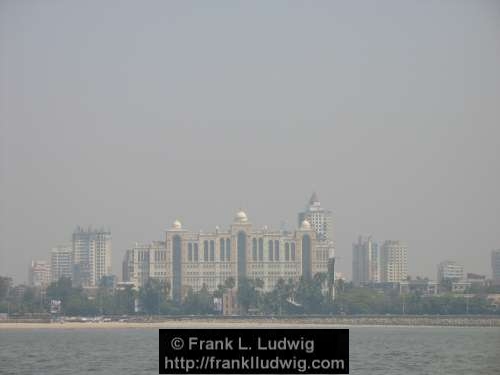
<point>288,297</point>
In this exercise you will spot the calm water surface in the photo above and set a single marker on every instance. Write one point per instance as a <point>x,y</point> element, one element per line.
<point>373,350</point>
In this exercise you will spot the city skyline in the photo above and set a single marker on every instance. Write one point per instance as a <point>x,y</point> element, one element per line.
<point>368,262</point>
<point>211,168</point>
<point>175,110</point>
<point>118,270</point>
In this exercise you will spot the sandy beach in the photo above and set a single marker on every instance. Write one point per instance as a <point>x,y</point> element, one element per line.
<point>203,323</point>
<point>166,325</point>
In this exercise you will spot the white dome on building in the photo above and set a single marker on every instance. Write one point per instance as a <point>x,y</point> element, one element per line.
<point>176,225</point>
<point>305,225</point>
<point>241,217</point>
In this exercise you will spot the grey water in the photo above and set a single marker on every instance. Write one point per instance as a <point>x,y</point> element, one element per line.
<point>373,350</point>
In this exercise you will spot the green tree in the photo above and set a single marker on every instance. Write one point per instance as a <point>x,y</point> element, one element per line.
<point>309,294</point>
<point>249,294</point>
<point>124,301</point>
<point>219,292</point>
<point>28,302</point>
<point>230,283</point>
<point>152,295</point>
<point>105,299</point>
<point>78,303</point>
<point>200,302</point>
<point>74,301</point>
<point>223,288</point>
<point>60,289</point>
<point>5,284</point>
<point>277,301</point>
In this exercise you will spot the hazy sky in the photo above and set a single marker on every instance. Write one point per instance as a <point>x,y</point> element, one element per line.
<point>131,114</point>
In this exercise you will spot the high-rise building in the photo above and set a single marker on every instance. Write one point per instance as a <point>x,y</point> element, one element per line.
<point>61,262</point>
<point>365,261</point>
<point>449,270</point>
<point>91,256</point>
<point>195,259</point>
<point>145,261</point>
<point>495,265</point>
<point>320,219</point>
<point>393,261</point>
<point>39,273</point>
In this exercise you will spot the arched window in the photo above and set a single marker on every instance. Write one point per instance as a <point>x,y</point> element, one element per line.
<point>261,249</point>
<point>254,249</point>
<point>177,267</point>
<point>306,257</point>
<point>287,251</point>
<point>196,257</point>
<point>212,250</point>
<point>221,245</point>
<point>205,251</point>
<point>277,250</point>
<point>228,249</point>
<point>242,253</point>
<point>271,251</point>
<point>292,251</point>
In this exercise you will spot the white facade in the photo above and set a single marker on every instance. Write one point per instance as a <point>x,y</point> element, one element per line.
<point>393,261</point>
<point>91,256</point>
<point>450,270</point>
<point>61,262</point>
<point>39,273</point>
<point>365,261</point>
<point>145,261</point>
<point>321,220</point>
<point>195,259</point>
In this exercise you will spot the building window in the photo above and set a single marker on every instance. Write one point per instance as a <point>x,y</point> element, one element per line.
<point>221,245</point>
<point>287,251</point>
<point>177,268</point>
<point>196,258</point>
<point>190,252</point>
<point>292,251</point>
<point>205,251</point>
<point>242,253</point>
<point>306,257</point>
<point>212,250</point>
<point>228,249</point>
<point>261,249</point>
<point>271,251</point>
<point>277,250</point>
<point>254,249</point>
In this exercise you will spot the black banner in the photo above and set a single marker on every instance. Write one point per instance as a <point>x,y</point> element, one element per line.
<point>254,351</point>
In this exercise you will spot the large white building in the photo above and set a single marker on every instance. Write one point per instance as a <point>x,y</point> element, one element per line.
<point>39,273</point>
<point>365,261</point>
<point>320,219</point>
<point>450,270</point>
<point>61,262</point>
<point>393,261</point>
<point>144,261</point>
<point>91,256</point>
<point>194,259</point>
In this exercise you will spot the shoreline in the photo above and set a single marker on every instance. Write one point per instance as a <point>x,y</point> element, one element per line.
<point>261,322</point>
